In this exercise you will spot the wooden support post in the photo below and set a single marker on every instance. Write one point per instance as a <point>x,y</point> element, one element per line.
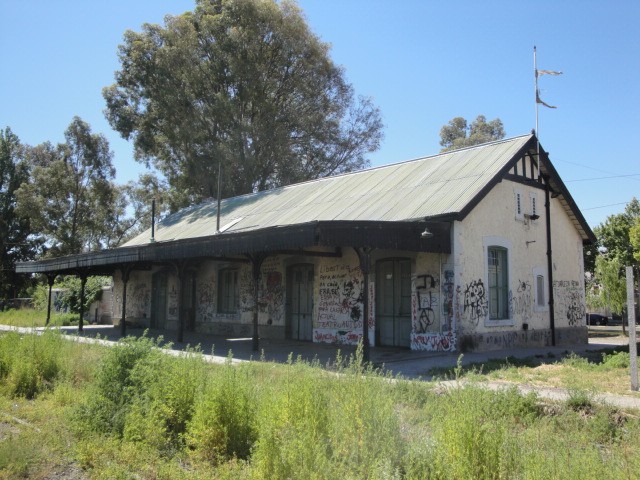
<point>83,283</point>
<point>50,279</point>
<point>364,255</point>
<point>125,271</point>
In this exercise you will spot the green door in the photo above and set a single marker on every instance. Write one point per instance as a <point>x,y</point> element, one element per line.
<point>300,301</point>
<point>393,302</point>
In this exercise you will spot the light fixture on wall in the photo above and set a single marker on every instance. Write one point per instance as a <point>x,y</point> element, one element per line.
<point>532,217</point>
<point>426,233</point>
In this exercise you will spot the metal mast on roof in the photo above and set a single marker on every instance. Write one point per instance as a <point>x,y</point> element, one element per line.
<point>537,73</point>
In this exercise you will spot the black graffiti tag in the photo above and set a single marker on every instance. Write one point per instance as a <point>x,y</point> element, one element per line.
<point>475,300</point>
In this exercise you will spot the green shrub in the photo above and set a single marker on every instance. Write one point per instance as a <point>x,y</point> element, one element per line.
<point>365,430</point>
<point>30,363</point>
<point>163,392</point>
<point>615,360</point>
<point>224,420</point>
<point>113,390</point>
<point>293,431</point>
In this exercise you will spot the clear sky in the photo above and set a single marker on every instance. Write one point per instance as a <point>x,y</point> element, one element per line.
<point>423,62</point>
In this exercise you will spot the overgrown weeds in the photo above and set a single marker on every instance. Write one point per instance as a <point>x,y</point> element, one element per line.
<point>141,413</point>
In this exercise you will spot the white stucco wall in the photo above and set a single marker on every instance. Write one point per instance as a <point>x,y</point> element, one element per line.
<point>495,222</point>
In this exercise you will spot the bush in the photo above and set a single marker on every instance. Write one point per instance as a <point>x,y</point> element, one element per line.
<point>224,420</point>
<point>30,364</point>
<point>111,395</point>
<point>615,360</point>
<point>163,394</point>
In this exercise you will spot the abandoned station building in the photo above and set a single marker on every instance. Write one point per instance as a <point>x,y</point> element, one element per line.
<point>473,249</point>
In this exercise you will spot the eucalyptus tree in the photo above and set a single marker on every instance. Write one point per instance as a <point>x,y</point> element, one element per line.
<point>459,133</point>
<point>16,240</point>
<point>240,84</point>
<point>70,197</point>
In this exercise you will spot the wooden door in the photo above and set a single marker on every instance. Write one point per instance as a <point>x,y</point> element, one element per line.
<point>393,302</point>
<point>300,302</point>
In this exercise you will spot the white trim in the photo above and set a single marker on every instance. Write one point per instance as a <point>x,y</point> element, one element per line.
<point>540,271</point>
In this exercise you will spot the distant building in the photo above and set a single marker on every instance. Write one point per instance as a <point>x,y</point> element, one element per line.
<point>474,249</point>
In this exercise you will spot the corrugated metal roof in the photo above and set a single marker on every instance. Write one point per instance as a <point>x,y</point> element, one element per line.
<point>418,189</point>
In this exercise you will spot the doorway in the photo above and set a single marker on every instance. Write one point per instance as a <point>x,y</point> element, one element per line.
<point>393,303</point>
<point>158,300</point>
<point>300,302</point>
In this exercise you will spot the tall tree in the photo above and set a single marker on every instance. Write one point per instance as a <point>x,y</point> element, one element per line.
<point>614,235</point>
<point>241,82</point>
<point>458,133</point>
<point>16,242</point>
<point>70,197</point>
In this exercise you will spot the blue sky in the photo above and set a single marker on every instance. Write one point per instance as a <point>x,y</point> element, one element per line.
<point>423,63</point>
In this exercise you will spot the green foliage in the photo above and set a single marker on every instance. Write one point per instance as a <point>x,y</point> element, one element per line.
<point>609,289</point>
<point>163,393</point>
<point>458,134</point>
<point>29,364</point>
<point>634,239</point>
<point>223,425</point>
<point>615,360</point>
<point>183,418</point>
<point>615,235</point>
<point>244,83</point>
<point>70,198</point>
<point>112,394</point>
<point>70,298</point>
<point>16,242</point>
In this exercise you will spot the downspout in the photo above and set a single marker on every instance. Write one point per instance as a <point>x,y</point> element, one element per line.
<point>552,320</point>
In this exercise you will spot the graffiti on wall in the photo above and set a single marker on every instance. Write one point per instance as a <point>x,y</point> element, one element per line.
<point>140,301</point>
<point>475,301</point>
<point>271,299</point>
<point>172,303</point>
<point>520,302</point>
<point>340,296</point>
<point>425,306</point>
<point>448,299</point>
<point>205,305</point>
<point>434,342</point>
<point>499,340</point>
<point>569,300</point>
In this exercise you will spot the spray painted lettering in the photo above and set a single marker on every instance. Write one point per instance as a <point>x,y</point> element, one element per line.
<point>475,301</point>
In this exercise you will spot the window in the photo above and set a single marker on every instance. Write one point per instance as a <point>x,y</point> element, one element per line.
<point>540,290</point>
<point>540,300</point>
<point>534,203</point>
<point>228,290</point>
<point>518,205</point>
<point>498,283</point>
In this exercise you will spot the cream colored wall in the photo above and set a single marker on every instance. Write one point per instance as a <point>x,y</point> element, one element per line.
<point>568,270</point>
<point>495,222</point>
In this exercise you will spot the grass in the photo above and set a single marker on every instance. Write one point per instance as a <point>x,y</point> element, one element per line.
<point>32,318</point>
<point>133,412</point>
<point>605,371</point>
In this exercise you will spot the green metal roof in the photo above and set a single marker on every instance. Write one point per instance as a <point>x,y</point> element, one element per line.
<point>430,187</point>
